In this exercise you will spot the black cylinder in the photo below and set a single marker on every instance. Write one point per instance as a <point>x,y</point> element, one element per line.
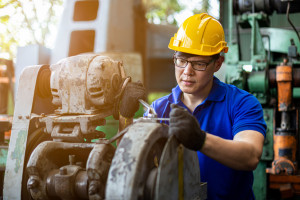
<point>266,6</point>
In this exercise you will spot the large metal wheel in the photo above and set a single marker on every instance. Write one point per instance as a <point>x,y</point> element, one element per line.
<point>150,165</point>
<point>136,161</point>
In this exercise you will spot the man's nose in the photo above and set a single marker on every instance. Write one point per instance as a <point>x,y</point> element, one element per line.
<point>188,70</point>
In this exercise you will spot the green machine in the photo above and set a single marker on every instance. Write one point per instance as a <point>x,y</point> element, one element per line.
<point>264,61</point>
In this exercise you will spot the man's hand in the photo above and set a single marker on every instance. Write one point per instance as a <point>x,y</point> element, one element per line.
<point>129,101</point>
<point>186,128</point>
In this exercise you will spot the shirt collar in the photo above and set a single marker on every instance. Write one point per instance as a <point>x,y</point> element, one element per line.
<point>217,92</point>
<point>174,97</point>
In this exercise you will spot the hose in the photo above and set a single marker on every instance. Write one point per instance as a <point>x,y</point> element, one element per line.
<point>288,18</point>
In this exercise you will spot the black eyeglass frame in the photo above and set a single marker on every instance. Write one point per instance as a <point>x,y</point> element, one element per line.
<point>192,63</point>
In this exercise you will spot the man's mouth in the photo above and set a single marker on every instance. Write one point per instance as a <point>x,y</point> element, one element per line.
<point>187,82</point>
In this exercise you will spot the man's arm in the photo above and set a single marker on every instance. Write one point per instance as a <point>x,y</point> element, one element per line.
<point>241,153</point>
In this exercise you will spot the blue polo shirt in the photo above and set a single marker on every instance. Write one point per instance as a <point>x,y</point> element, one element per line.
<point>225,112</point>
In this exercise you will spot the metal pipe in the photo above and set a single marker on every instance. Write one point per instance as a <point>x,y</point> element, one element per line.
<point>288,18</point>
<point>230,21</point>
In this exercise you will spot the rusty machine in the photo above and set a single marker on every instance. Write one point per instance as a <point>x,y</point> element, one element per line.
<point>270,70</point>
<point>55,151</point>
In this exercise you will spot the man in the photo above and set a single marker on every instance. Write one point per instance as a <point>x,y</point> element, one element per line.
<point>223,123</point>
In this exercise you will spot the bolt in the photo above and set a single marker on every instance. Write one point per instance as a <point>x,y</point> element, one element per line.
<point>27,117</point>
<point>266,117</point>
<point>63,171</point>
<point>93,189</point>
<point>32,183</point>
<point>71,159</point>
<point>20,117</point>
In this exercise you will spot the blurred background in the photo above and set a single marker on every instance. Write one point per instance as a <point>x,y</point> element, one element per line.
<point>25,22</point>
<point>32,32</point>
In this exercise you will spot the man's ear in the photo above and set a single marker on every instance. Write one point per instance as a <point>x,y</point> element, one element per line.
<point>218,63</point>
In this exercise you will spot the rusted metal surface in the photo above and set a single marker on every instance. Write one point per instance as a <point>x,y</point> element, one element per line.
<point>287,184</point>
<point>69,170</point>
<point>179,174</point>
<point>97,168</point>
<point>146,166</point>
<point>74,128</point>
<point>69,182</point>
<point>85,84</point>
<point>285,149</point>
<point>284,167</point>
<point>284,87</point>
<point>84,90</point>
<point>285,142</point>
<point>137,154</point>
<point>48,157</point>
<point>20,126</point>
<point>295,74</point>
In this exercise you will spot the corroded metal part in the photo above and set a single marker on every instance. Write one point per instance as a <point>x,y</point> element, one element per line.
<point>49,156</point>
<point>136,156</point>
<point>284,87</point>
<point>97,168</point>
<point>51,176</point>
<point>295,74</point>
<point>178,175</point>
<point>20,130</point>
<point>148,165</point>
<point>74,128</point>
<point>85,84</point>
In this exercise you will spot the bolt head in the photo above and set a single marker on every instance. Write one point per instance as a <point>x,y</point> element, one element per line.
<point>32,183</point>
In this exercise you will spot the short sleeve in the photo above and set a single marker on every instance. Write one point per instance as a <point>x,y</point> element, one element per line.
<point>248,115</point>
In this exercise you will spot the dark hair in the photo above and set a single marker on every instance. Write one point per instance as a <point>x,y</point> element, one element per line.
<point>187,55</point>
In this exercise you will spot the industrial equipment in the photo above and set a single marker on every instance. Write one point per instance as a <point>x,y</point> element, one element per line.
<point>56,152</point>
<point>272,76</point>
<point>6,94</point>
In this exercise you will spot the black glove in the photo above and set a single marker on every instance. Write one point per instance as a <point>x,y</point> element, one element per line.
<point>186,128</point>
<point>129,100</point>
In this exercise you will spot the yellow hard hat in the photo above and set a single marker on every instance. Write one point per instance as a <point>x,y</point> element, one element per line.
<point>200,34</point>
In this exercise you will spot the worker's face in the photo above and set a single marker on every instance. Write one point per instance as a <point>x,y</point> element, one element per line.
<point>192,81</point>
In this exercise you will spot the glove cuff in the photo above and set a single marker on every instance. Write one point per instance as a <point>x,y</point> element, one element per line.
<point>202,140</point>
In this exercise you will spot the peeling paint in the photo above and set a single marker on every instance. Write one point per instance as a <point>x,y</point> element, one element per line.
<point>19,149</point>
<point>3,156</point>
